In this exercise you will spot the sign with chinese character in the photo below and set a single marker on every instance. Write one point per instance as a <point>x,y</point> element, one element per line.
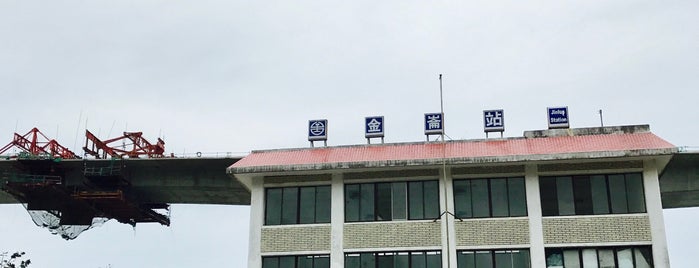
<point>434,123</point>
<point>558,117</point>
<point>494,120</point>
<point>318,130</point>
<point>373,126</point>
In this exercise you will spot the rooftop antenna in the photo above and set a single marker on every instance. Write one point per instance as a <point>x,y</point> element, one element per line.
<point>77,130</point>
<point>601,122</point>
<point>444,173</point>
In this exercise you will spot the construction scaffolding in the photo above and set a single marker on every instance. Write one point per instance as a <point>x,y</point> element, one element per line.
<point>99,191</point>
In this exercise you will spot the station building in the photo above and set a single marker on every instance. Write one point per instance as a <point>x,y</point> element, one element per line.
<point>586,197</point>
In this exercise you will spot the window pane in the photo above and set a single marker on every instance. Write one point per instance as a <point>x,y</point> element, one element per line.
<point>273,207</point>
<point>484,259</point>
<point>571,258</point>
<point>600,202</point>
<point>352,197</point>
<point>462,199</point>
<point>431,202</point>
<point>415,198</point>
<point>583,195</point>
<point>434,260</point>
<point>503,259</point>
<point>270,262</point>
<point>520,258</point>
<point>304,262</point>
<point>366,202</point>
<point>554,258</point>
<point>517,197</point>
<point>307,205</point>
<point>625,258</point>
<point>383,202</point>
<point>606,258</point>
<point>385,261</point>
<point>564,190</point>
<point>590,258</point>
<point>481,200</point>
<point>634,187</point>
<point>322,262</point>
<point>617,191</point>
<point>400,201</point>
<point>352,261</point>
<point>367,260</point>
<point>466,259</point>
<point>549,197</point>
<point>417,259</point>
<point>402,260</point>
<point>498,197</point>
<point>290,205</point>
<point>323,204</point>
<point>644,257</point>
<point>287,262</point>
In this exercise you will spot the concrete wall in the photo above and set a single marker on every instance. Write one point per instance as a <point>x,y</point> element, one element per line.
<point>596,229</point>
<point>295,238</point>
<point>392,234</point>
<point>488,232</point>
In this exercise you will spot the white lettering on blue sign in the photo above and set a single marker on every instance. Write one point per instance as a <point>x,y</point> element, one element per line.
<point>317,130</point>
<point>373,126</point>
<point>494,120</point>
<point>558,117</point>
<point>434,123</point>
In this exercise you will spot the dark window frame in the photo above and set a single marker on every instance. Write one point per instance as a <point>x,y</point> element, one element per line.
<point>553,208</point>
<point>299,210</point>
<point>489,189</point>
<point>296,259</point>
<point>377,255</point>
<point>492,254</point>
<point>407,199</point>
<point>615,252</point>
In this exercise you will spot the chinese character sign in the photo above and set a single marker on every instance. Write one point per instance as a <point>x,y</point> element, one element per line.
<point>373,126</point>
<point>317,130</point>
<point>434,123</point>
<point>494,120</point>
<point>558,117</point>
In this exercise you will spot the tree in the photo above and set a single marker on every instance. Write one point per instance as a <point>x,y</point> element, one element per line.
<point>11,262</point>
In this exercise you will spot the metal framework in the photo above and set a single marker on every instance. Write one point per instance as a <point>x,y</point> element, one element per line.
<point>36,143</point>
<point>137,146</point>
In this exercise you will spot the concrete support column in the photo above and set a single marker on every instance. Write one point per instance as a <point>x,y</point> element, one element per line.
<point>337,221</point>
<point>257,209</point>
<point>654,207</point>
<point>446,199</point>
<point>536,230</point>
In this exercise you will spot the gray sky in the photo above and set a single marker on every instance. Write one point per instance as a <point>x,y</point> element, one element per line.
<point>234,76</point>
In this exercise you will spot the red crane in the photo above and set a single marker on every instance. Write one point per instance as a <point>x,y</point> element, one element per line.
<point>137,146</point>
<point>36,143</point>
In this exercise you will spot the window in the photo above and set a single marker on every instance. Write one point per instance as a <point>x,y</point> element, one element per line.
<point>387,201</point>
<point>307,261</point>
<point>606,257</point>
<point>297,205</point>
<point>480,198</point>
<point>517,258</point>
<point>592,195</point>
<point>412,259</point>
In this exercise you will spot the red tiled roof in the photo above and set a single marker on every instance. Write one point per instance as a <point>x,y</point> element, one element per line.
<point>456,149</point>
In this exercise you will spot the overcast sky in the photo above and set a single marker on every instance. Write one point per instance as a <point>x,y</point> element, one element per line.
<point>235,76</point>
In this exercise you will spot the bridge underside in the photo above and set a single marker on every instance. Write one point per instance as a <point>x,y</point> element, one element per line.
<point>679,181</point>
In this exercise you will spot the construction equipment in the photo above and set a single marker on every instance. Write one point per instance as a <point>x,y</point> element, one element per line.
<point>37,144</point>
<point>139,146</point>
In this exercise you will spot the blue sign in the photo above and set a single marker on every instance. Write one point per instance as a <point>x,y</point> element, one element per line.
<point>373,126</point>
<point>494,120</point>
<point>318,130</point>
<point>434,123</point>
<point>558,117</point>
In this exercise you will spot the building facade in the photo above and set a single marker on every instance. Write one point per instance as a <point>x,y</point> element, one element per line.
<point>553,198</point>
